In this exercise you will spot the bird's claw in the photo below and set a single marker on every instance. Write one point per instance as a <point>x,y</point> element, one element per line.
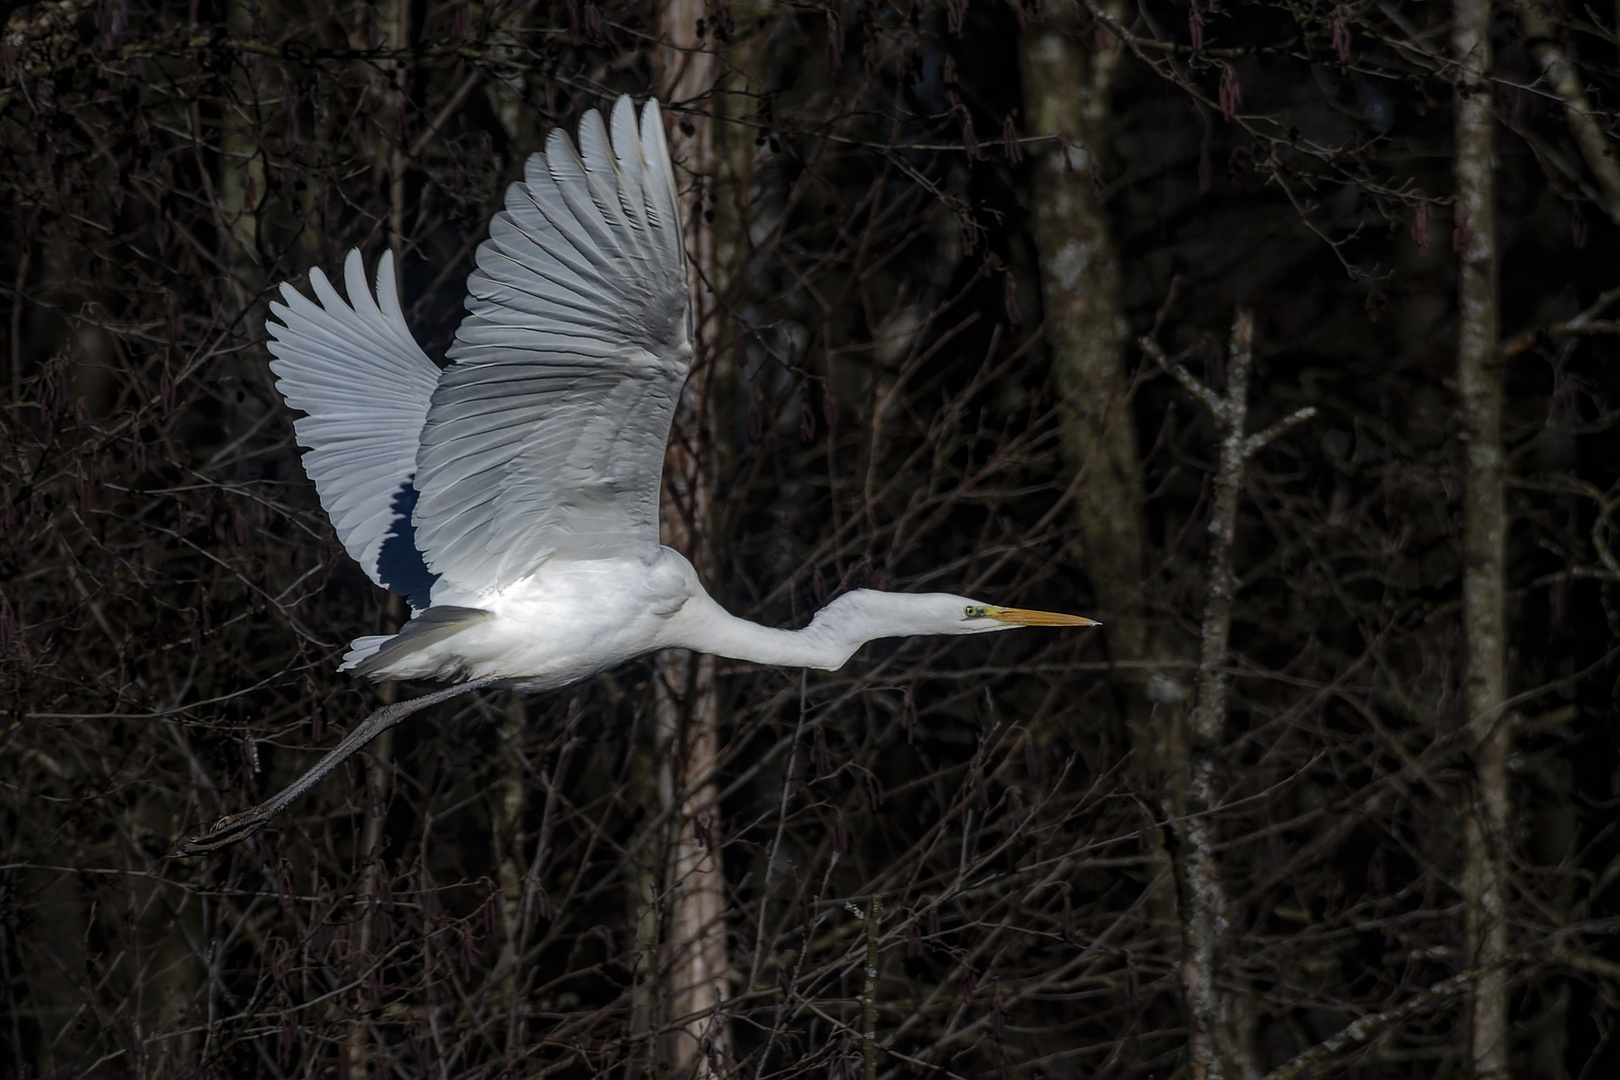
<point>222,833</point>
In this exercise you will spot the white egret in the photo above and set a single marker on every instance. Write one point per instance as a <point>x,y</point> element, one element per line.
<point>513,495</point>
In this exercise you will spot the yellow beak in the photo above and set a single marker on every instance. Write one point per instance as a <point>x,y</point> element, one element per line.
<point>1019,617</point>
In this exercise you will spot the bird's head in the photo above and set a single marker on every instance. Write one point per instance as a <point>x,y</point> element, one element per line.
<point>974,617</point>
<point>866,614</point>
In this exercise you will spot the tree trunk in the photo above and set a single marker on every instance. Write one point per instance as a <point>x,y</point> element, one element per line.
<point>1220,1023</point>
<point>1565,81</point>
<point>1066,94</point>
<point>1219,1027</point>
<point>1479,392</point>
<point>687,710</point>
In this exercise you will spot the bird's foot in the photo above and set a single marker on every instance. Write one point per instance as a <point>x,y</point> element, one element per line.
<point>223,833</point>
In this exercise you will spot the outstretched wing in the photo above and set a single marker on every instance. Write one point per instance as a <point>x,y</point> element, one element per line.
<point>365,386</point>
<point>547,434</point>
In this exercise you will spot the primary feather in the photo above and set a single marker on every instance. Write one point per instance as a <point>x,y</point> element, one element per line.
<point>546,433</point>
<point>365,387</point>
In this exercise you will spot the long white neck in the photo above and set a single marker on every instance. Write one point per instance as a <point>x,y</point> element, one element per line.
<point>832,637</point>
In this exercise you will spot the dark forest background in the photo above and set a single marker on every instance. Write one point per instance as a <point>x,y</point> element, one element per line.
<point>988,287</point>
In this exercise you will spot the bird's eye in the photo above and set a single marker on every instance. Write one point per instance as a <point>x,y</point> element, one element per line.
<point>972,612</point>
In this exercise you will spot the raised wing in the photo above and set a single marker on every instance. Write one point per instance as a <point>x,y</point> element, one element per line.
<point>365,386</point>
<point>547,434</point>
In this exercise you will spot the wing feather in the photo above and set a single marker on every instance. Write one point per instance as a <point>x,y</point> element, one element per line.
<point>547,433</point>
<point>365,386</point>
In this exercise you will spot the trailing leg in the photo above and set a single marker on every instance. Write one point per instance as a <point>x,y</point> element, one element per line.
<point>244,823</point>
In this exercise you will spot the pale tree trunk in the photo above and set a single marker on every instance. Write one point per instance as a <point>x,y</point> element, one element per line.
<point>1219,1035</point>
<point>1479,391</point>
<point>1218,1029</point>
<point>695,959</point>
<point>1564,81</point>
<point>1066,91</point>
<point>1066,100</point>
<point>1066,97</point>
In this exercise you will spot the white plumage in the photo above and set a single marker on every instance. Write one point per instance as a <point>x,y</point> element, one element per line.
<point>519,487</point>
<point>513,496</point>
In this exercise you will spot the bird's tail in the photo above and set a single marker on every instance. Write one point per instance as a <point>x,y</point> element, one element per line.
<point>407,655</point>
<point>362,649</point>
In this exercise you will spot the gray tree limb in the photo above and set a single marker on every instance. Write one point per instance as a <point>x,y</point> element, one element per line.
<point>1479,404</point>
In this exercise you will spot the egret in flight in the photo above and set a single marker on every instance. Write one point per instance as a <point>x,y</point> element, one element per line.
<point>512,497</point>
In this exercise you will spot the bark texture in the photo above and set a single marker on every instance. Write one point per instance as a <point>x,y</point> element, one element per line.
<point>1479,392</point>
<point>687,708</point>
<point>1220,1038</point>
<point>1565,81</point>
<point>1066,92</point>
<point>1219,1042</point>
<point>1066,98</point>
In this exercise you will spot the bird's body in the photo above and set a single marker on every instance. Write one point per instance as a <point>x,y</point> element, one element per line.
<point>512,496</point>
<point>572,618</point>
<point>566,621</point>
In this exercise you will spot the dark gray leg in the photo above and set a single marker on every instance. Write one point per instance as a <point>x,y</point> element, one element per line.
<point>244,823</point>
